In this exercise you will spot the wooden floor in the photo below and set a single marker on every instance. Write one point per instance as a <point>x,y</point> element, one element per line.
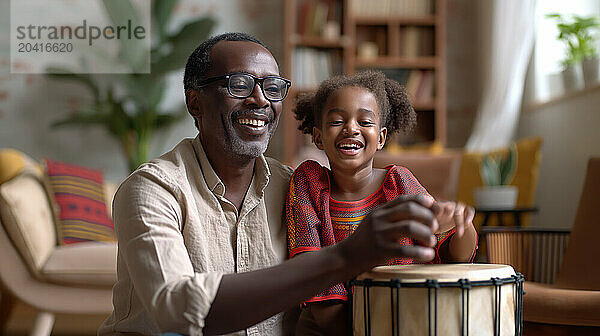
<point>541,329</point>
<point>87,325</point>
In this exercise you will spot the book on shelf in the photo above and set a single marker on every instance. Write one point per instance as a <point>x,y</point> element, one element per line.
<point>399,75</point>
<point>413,82</point>
<point>419,83</point>
<point>393,8</point>
<point>427,41</point>
<point>424,93</point>
<point>311,66</point>
<point>420,86</point>
<point>410,39</point>
<point>313,15</point>
<point>416,41</point>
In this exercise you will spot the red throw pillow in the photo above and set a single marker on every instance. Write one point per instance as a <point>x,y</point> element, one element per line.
<point>79,193</point>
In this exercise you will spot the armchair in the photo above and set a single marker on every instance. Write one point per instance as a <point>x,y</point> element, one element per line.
<point>562,270</point>
<point>34,268</point>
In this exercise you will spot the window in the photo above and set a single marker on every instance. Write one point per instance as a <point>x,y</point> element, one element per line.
<point>544,77</point>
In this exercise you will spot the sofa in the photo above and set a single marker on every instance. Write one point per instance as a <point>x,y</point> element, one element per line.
<point>34,268</point>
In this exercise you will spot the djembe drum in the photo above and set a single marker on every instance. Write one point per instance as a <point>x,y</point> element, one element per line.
<point>453,299</point>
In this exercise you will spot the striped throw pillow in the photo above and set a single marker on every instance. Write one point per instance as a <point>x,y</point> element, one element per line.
<point>79,193</point>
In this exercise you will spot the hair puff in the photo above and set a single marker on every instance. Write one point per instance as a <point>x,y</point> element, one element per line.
<point>395,110</point>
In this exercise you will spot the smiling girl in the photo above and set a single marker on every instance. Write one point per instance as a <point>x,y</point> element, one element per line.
<point>350,118</point>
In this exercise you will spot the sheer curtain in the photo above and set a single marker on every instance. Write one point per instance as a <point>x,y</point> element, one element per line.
<point>507,32</point>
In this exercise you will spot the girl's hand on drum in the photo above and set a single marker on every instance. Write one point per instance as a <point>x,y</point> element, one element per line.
<point>463,244</point>
<point>453,215</point>
<point>376,238</point>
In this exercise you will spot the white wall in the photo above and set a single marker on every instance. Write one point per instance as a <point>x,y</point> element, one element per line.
<point>570,129</point>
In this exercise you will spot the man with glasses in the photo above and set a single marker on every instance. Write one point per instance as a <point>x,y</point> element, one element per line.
<point>202,245</point>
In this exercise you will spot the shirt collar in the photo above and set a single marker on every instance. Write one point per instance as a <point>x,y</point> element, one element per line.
<point>214,183</point>
<point>261,174</point>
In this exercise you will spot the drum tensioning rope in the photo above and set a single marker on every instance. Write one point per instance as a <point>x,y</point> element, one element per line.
<point>432,289</point>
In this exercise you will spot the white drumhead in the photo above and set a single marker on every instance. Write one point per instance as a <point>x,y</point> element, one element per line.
<point>445,272</point>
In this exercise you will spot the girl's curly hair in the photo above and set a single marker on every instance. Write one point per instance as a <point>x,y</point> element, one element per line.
<point>395,109</point>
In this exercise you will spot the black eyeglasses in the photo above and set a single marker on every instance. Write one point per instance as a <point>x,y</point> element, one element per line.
<point>241,85</point>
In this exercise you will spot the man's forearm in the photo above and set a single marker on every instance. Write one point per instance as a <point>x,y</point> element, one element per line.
<point>248,298</point>
<point>284,285</point>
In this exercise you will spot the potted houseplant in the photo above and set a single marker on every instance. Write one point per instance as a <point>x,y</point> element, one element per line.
<point>497,171</point>
<point>579,34</point>
<point>128,105</point>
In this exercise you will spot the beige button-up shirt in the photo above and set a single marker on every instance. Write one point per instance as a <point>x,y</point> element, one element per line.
<point>178,235</point>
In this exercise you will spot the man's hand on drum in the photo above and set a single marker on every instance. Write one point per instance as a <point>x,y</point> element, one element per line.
<point>376,238</point>
<point>453,215</point>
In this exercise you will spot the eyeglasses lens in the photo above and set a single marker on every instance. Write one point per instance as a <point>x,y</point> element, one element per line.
<point>242,85</point>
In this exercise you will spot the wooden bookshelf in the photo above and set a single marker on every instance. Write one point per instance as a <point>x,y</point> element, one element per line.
<point>317,42</point>
<point>428,20</point>
<point>426,62</point>
<point>406,40</point>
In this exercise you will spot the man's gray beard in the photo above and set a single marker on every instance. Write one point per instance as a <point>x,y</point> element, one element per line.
<point>243,150</point>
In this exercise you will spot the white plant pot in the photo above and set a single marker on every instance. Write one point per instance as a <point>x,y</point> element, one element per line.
<point>571,78</point>
<point>590,67</point>
<point>497,197</point>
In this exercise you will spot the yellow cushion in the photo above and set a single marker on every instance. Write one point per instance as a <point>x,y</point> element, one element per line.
<point>431,148</point>
<point>525,178</point>
<point>13,162</point>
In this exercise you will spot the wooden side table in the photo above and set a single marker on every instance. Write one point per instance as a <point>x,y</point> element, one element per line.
<point>516,212</point>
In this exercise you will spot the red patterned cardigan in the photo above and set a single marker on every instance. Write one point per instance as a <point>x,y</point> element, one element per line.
<point>315,220</point>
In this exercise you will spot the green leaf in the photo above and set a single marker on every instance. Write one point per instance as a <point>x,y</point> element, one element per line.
<point>155,94</point>
<point>143,121</point>
<point>489,171</point>
<point>193,32</point>
<point>120,123</point>
<point>554,16</point>
<point>172,61</point>
<point>135,51</point>
<point>508,166</point>
<point>161,11</point>
<point>577,33</point>
<point>182,44</point>
<point>166,120</point>
<point>108,113</point>
<point>138,86</point>
<point>81,119</point>
<point>85,79</point>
